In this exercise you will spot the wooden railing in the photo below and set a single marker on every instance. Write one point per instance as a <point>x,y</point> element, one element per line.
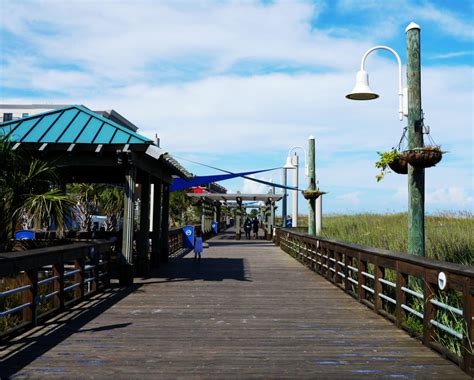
<point>432,300</point>
<point>39,282</point>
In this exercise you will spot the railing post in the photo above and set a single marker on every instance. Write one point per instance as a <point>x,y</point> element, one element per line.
<point>30,314</point>
<point>95,271</point>
<point>468,307</point>
<point>329,252</point>
<point>164,249</point>
<point>347,262</point>
<point>79,278</point>
<point>402,280</point>
<point>58,284</point>
<point>378,287</point>
<point>362,267</point>
<point>428,311</point>
<point>337,277</point>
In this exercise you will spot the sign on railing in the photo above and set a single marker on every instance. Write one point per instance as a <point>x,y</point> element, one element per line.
<point>431,299</point>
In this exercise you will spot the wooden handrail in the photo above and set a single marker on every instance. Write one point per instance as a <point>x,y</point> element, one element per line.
<point>362,272</point>
<point>46,280</point>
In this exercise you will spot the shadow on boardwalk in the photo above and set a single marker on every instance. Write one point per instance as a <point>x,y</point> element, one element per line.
<point>35,343</point>
<point>204,269</point>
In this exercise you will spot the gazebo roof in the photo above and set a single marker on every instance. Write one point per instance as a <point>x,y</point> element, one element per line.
<point>74,136</point>
<point>70,125</point>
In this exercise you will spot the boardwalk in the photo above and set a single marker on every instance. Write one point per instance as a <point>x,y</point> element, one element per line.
<point>245,310</point>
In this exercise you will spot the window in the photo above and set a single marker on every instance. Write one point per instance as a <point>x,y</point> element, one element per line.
<point>25,114</point>
<point>7,116</point>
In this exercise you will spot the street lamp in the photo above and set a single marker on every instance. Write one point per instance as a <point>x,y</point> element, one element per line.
<point>409,105</point>
<point>292,163</point>
<point>362,90</point>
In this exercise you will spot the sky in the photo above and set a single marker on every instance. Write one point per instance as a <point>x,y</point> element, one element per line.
<point>236,84</point>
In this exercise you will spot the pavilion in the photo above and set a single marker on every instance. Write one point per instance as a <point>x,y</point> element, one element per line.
<point>87,147</point>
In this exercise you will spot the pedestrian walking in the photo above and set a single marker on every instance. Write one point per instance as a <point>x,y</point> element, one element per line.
<point>198,245</point>
<point>255,226</point>
<point>247,228</point>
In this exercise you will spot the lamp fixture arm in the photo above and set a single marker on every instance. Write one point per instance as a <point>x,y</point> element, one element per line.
<point>305,156</point>
<point>400,80</point>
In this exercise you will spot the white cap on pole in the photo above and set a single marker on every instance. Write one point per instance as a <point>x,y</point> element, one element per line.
<point>412,25</point>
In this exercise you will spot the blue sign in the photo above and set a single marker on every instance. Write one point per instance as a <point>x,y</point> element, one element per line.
<point>215,228</point>
<point>188,236</point>
<point>25,235</point>
<point>289,223</point>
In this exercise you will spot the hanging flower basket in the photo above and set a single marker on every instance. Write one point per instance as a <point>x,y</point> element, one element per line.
<point>425,157</point>
<point>399,165</point>
<point>312,194</point>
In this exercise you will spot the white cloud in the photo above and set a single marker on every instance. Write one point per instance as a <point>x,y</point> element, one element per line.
<point>352,199</point>
<point>453,196</point>
<point>252,187</point>
<point>133,56</point>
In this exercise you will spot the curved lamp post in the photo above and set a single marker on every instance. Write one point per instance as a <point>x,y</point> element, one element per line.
<point>292,163</point>
<point>362,90</point>
<point>410,105</point>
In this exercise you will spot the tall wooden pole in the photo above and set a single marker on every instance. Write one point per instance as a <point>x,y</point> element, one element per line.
<point>156,232</point>
<point>164,245</point>
<point>238,219</point>
<point>312,186</point>
<point>294,161</point>
<point>126,265</point>
<point>143,241</point>
<point>284,199</point>
<point>416,176</point>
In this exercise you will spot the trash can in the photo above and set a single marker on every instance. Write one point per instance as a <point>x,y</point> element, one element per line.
<point>214,227</point>
<point>25,235</point>
<point>188,236</point>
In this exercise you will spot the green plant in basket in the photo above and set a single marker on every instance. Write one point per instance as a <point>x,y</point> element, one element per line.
<point>386,158</point>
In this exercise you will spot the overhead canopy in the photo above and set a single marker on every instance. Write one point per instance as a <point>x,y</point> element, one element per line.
<point>237,196</point>
<point>181,184</point>
<point>87,147</point>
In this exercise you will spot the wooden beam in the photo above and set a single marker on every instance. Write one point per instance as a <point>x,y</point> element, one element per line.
<point>156,232</point>
<point>126,261</point>
<point>143,240</point>
<point>164,247</point>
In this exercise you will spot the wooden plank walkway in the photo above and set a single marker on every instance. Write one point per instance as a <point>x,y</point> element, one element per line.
<point>246,310</point>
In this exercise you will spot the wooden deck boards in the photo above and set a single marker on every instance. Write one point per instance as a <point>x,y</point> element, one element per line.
<point>246,310</point>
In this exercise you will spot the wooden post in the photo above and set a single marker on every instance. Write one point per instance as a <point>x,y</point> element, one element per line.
<point>79,278</point>
<point>284,210</point>
<point>379,273</point>
<point>468,307</point>
<point>30,314</point>
<point>416,176</point>
<point>272,218</point>
<point>428,312</point>
<point>143,264</point>
<point>164,247</point>
<point>402,280</point>
<point>58,284</point>
<point>155,234</point>
<point>238,219</point>
<point>312,186</point>
<point>362,267</point>
<point>126,264</point>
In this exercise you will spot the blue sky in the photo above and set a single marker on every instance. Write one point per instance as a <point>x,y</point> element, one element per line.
<point>235,84</point>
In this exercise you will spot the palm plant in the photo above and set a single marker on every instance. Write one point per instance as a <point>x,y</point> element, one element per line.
<point>111,202</point>
<point>87,197</point>
<point>23,180</point>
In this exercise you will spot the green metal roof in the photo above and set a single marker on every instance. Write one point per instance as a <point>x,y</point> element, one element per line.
<point>70,125</point>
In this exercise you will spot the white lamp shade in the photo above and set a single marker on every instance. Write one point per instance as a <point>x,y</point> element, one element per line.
<point>362,91</point>
<point>289,164</point>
